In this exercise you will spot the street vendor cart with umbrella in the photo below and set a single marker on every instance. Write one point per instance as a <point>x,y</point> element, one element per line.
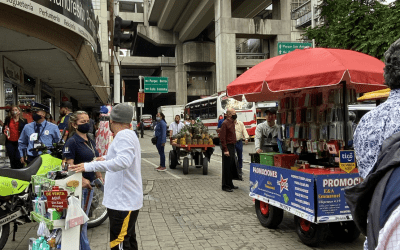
<point>315,163</point>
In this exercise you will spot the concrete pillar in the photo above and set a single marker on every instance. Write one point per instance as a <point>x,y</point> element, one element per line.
<point>225,45</point>
<point>2,92</point>
<point>180,74</point>
<point>57,102</point>
<point>38,90</point>
<point>146,12</point>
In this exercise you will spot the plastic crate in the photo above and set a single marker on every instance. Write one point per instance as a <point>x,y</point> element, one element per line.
<point>267,158</point>
<point>255,158</point>
<point>285,160</point>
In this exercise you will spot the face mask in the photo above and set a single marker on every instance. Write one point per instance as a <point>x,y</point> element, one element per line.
<point>234,117</point>
<point>36,117</point>
<point>84,128</point>
<point>158,118</point>
<point>14,112</point>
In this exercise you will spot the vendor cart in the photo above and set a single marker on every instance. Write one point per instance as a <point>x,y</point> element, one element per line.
<point>198,155</point>
<point>313,127</point>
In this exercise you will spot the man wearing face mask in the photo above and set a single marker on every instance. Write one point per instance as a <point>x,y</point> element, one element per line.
<point>228,141</point>
<point>37,133</point>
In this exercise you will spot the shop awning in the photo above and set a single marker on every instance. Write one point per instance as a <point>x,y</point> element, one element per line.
<point>308,68</point>
<point>380,94</point>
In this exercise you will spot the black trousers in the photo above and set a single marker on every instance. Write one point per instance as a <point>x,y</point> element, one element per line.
<point>13,154</point>
<point>229,170</point>
<point>122,229</point>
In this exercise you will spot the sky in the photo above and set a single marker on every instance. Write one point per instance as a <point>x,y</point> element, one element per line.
<point>388,1</point>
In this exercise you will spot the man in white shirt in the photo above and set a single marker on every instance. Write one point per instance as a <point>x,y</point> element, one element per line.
<point>241,135</point>
<point>175,126</point>
<point>174,129</point>
<point>123,192</point>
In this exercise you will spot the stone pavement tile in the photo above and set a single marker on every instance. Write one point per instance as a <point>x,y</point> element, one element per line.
<point>147,244</point>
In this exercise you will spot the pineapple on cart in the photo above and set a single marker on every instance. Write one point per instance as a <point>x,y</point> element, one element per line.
<point>196,147</point>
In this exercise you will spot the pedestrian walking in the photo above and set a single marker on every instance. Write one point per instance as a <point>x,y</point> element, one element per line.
<point>266,136</point>
<point>241,135</point>
<point>123,192</point>
<point>141,128</point>
<point>161,135</point>
<point>13,126</point>
<point>80,148</point>
<point>228,141</point>
<point>374,203</point>
<point>37,133</point>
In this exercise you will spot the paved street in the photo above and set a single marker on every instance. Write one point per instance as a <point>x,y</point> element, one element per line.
<point>192,212</point>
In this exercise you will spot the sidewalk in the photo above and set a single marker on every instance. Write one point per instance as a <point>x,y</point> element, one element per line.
<point>192,212</point>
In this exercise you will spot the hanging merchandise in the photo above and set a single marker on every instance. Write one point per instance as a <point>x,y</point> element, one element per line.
<point>75,214</point>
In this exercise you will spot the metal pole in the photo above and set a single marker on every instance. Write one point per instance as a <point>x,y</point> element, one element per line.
<point>117,75</point>
<point>312,19</point>
<point>141,91</point>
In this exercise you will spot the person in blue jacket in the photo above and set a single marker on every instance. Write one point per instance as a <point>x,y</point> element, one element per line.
<point>161,134</point>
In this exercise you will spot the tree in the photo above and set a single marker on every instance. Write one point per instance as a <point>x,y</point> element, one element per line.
<point>362,25</point>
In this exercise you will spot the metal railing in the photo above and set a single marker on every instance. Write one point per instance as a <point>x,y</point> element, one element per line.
<point>252,55</point>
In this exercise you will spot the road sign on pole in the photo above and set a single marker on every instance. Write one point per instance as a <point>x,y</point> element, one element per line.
<point>155,84</point>
<point>286,47</point>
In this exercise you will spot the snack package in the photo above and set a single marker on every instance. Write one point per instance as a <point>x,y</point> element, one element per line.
<point>75,214</point>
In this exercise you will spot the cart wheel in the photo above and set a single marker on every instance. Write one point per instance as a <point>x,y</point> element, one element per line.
<point>310,233</point>
<point>269,216</point>
<point>205,166</point>
<point>172,159</point>
<point>344,231</point>
<point>185,165</point>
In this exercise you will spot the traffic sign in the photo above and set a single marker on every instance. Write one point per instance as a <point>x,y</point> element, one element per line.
<point>347,160</point>
<point>286,47</point>
<point>155,84</point>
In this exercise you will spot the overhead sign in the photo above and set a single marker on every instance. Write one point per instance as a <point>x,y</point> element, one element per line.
<point>286,47</point>
<point>13,71</point>
<point>75,15</point>
<point>141,99</point>
<point>347,160</point>
<point>155,84</point>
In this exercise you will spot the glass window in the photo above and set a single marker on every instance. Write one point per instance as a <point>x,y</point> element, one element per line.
<point>212,109</point>
<point>235,104</point>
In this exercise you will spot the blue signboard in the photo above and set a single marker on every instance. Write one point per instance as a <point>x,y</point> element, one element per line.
<point>331,204</point>
<point>347,160</point>
<point>287,189</point>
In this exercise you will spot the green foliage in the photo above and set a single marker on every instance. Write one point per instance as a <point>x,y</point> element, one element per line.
<point>366,26</point>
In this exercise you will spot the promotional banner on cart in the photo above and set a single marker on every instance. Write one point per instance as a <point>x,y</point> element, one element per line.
<point>76,15</point>
<point>287,189</point>
<point>332,205</point>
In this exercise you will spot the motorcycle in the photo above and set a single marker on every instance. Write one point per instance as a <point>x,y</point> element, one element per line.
<point>17,194</point>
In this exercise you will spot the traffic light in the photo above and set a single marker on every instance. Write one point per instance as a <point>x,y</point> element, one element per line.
<point>119,27</point>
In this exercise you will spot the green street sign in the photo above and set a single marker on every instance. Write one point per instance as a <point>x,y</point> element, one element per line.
<point>286,47</point>
<point>155,84</point>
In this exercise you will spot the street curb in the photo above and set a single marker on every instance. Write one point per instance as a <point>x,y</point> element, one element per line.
<point>149,187</point>
<point>221,156</point>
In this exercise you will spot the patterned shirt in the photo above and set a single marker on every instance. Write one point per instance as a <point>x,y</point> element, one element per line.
<point>373,128</point>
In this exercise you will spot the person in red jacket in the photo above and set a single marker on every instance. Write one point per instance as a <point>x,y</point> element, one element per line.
<point>13,126</point>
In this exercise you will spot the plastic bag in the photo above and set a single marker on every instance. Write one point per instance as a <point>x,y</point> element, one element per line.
<point>75,214</point>
<point>43,230</point>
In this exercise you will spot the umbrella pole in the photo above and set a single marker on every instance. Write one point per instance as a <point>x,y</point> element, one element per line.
<point>345,116</point>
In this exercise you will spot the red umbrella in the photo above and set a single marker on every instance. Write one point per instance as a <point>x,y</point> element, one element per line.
<point>309,68</point>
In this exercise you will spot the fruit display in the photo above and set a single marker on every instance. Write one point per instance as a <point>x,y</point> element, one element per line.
<point>193,134</point>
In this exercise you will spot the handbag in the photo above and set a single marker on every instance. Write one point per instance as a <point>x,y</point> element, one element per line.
<point>154,140</point>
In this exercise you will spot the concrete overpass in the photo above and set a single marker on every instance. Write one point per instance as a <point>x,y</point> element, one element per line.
<point>205,35</point>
